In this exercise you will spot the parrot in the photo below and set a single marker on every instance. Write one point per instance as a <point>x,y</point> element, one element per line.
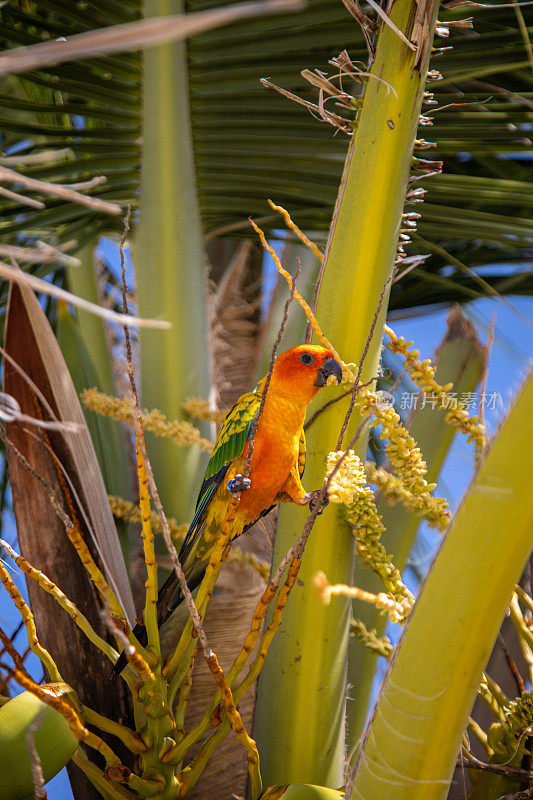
<point>276,467</point>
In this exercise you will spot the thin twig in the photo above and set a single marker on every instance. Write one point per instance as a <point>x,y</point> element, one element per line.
<point>21,198</point>
<point>13,636</point>
<point>356,386</point>
<point>60,597</point>
<point>9,647</point>
<point>98,180</point>
<point>134,35</point>
<point>332,402</point>
<point>44,187</point>
<point>125,326</point>
<point>512,665</point>
<point>72,532</point>
<point>54,502</point>
<point>42,157</point>
<point>45,254</point>
<point>150,611</point>
<point>499,769</point>
<point>257,417</point>
<point>16,275</point>
<point>30,383</point>
<point>313,322</point>
<point>29,623</point>
<point>297,549</point>
<point>36,770</point>
<point>10,412</point>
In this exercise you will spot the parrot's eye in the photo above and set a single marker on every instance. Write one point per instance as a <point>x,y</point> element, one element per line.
<point>306,358</point>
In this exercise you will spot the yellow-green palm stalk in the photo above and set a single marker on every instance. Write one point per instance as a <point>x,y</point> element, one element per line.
<point>411,744</point>
<point>25,715</point>
<point>461,360</point>
<point>301,791</point>
<point>305,676</point>
<point>170,262</point>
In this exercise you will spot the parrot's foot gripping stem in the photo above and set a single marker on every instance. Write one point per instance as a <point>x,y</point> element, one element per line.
<point>238,484</point>
<point>313,498</point>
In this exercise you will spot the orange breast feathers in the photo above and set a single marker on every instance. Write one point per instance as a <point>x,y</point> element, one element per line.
<point>274,459</point>
<point>274,464</point>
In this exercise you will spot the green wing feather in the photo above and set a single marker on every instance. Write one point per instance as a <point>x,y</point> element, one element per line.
<point>229,445</point>
<point>233,434</point>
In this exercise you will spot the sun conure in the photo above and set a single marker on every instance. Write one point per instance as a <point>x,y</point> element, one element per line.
<point>276,467</point>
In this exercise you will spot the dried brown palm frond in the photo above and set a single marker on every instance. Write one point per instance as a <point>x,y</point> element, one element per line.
<point>234,311</point>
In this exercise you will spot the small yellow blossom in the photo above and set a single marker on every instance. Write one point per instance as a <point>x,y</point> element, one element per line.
<point>508,738</point>
<point>384,602</point>
<point>378,644</point>
<point>129,512</point>
<point>182,433</point>
<point>433,509</point>
<point>200,409</point>
<point>349,374</point>
<point>423,375</point>
<point>404,453</point>
<point>348,486</point>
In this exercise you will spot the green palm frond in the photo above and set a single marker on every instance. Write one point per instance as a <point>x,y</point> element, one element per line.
<point>250,143</point>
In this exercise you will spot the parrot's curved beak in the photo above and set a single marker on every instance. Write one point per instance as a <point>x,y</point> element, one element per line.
<point>328,368</point>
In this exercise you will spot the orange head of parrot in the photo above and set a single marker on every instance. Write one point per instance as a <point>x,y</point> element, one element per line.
<point>301,371</point>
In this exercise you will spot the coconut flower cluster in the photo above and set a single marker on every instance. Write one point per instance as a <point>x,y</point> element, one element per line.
<point>423,375</point>
<point>433,509</point>
<point>348,486</point>
<point>200,408</point>
<point>402,450</point>
<point>181,432</point>
<point>509,737</point>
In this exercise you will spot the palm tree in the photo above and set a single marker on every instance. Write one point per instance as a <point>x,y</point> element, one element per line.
<point>229,159</point>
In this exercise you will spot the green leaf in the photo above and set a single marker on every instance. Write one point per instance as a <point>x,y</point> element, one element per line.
<point>242,133</point>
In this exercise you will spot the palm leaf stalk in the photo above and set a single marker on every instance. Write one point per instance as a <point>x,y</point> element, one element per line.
<point>307,672</point>
<point>170,262</point>
<point>404,753</point>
